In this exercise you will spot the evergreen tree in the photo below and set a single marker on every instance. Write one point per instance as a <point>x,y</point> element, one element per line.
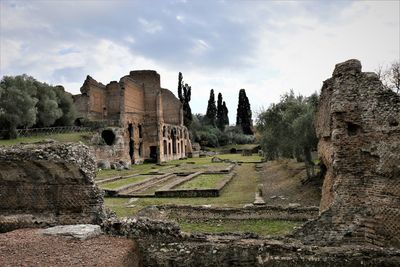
<point>243,116</point>
<point>225,112</point>
<point>185,99</point>
<point>211,109</point>
<point>220,113</point>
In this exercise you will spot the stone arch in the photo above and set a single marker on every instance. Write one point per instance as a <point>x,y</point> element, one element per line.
<point>108,137</point>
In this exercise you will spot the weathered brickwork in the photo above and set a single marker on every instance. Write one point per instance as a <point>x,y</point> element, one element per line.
<point>150,118</point>
<point>359,144</point>
<point>48,184</point>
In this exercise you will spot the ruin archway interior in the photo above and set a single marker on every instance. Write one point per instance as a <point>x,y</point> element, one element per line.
<point>108,137</point>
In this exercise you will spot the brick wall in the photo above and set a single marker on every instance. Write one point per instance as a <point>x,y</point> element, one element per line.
<point>359,143</point>
<point>48,184</point>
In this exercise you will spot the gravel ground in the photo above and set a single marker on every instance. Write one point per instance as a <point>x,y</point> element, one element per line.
<point>27,247</point>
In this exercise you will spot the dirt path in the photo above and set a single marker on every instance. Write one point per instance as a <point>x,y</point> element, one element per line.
<point>281,184</point>
<point>27,247</point>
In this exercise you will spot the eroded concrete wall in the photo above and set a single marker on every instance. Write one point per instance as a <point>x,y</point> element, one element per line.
<point>359,143</point>
<point>48,184</point>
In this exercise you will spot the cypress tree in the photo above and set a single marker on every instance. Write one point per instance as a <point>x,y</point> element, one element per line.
<point>220,113</point>
<point>185,99</point>
<point>243,116</point>
<point>225,117</point>
<point>211,109</point>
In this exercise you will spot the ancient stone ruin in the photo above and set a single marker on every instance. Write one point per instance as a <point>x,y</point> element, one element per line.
<point>359,222</point>
<point>145,121</point>
<point>48,184</point>
<point>359,144</point>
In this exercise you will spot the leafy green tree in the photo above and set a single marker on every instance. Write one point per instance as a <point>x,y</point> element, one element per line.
<point>287,129</point>
<point>243,116</point>
<point>26,102</point>
<point>47,106</point>
<point>66,104</point>
<point>17,104</point>
<point>225,117</point>
<point>211,113</point>
<point>185,97</point>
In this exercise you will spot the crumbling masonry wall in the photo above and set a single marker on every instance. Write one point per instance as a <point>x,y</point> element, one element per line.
<point>48,184</point>
<point>150,118</point>
<point>359,144</point>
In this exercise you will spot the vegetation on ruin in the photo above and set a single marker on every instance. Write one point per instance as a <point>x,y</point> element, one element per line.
<point>260,227</point>
<point>203,181</point>
<point>65,137</point>
<point>390,76</point>
<point>26,102</point>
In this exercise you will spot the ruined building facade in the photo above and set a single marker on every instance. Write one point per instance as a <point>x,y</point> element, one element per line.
<point>148,118</point>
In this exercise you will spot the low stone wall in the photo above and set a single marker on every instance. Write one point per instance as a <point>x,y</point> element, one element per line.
<point>163,244</point>
<point>252,212</point>
<point>48,184</point>
<point>206,192</point>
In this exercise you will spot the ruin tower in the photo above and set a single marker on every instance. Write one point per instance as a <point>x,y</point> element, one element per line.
<point>357,125</point>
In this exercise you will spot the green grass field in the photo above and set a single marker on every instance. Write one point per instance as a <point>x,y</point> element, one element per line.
<point>239,157</point>
<point>260,227</point>
<point>203,181</point>
<point>238,192</point>
<point>123,182</point>
<point>135,169</point>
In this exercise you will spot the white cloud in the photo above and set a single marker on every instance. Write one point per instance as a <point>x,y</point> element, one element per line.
<point>200,46</point>
<point>293,47</point>
<point>180,18</point>
<point>150,26</point>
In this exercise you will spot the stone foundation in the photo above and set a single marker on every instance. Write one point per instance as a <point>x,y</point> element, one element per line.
<point>163,244</point>
<point>48,184</point>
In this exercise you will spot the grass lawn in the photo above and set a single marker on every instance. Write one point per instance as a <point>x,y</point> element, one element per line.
<point>122,182</point>
<point>135,169</point>
<point>65,137</point>
<point>154,188</point>
<point>261,227</point>
<point>203,181</point>
<point>229,147</point>
<point>239,157</point>
<point>238,192</point>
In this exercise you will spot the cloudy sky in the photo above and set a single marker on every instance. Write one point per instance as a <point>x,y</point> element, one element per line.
<point>266,47</point>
